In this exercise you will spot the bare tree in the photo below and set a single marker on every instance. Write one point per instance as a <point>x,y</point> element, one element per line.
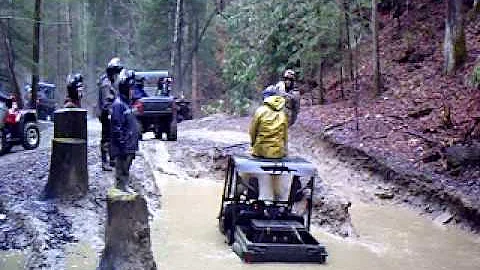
<point>455,50</point>
<point>376,57</point>
<point>177,50</point>
<point>36,53</point>
<point>7,44</point>
<point>346,10</point>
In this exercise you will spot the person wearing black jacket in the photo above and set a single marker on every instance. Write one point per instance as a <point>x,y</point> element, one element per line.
<point>124,130</point>
<point>106,96</point>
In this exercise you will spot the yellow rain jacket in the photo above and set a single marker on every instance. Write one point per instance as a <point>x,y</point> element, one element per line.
<point>269,129</point>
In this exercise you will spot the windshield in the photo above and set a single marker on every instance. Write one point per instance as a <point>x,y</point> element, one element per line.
<point>155,82</point>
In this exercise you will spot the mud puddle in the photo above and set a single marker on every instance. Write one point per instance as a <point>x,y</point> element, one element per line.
<point>185,233</point>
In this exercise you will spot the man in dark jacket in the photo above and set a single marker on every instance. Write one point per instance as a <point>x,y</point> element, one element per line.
<point>124,140</point>
<point>106,95</point>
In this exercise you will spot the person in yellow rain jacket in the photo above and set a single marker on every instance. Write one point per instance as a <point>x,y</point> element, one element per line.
<point>269,127</point>
<point>269,139</point>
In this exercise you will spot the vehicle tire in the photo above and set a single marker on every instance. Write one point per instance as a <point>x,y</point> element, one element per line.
<point>31,136</point>
<point>5,147</point>
<point>172,132</point>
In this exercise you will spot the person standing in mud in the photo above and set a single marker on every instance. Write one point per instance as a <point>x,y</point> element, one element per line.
<point>74,91</point>
<point>269,139</point>
<point>286,89</point>
<point>106,96</point>
<point>124,130</point>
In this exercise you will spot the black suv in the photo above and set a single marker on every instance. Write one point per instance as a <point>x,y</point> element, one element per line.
<point>157,109</point>
<point>46,104</point>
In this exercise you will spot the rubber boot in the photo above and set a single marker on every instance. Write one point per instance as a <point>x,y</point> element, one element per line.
<point>105,165</point>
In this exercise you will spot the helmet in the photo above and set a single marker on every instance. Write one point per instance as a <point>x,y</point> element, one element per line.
<point>126,80</point>
<point>289,74</point>
<point>139,80</point>
<point>271,90</point>
<point>114,66</point>
<point>74,81</point>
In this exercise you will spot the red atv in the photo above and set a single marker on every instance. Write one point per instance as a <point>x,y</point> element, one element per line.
<point>17,127</point>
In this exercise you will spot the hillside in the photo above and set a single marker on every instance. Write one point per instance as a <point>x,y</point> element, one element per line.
<point>404,131</point>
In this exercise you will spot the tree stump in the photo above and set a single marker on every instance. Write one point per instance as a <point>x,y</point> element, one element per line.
<point>127,233</point>
<point>68,175</point>
<point>70,123</point>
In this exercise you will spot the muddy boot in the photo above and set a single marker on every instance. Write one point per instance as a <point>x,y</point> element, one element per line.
<point>105,165</point>
<point>123,186</point>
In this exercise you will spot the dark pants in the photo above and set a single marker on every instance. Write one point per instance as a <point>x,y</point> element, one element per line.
<point>105,141</point>
<point>122,170</point>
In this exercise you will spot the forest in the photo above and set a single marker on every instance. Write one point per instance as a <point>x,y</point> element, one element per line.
<point>223,48</point>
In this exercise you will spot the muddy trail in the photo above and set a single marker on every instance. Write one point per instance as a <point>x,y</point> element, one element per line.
<point>363,220</point>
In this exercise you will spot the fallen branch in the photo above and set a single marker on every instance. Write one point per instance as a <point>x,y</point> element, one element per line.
<point>332,126</point>
<point>414,133</point>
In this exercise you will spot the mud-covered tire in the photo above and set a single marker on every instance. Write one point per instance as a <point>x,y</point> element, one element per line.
<point>31,136</point>
<point>5,147</point>
<point>172,132</point>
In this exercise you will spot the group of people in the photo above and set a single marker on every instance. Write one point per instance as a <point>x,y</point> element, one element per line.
<point>119,140</point>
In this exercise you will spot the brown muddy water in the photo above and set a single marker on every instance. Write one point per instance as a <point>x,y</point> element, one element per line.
<point>184,234</point>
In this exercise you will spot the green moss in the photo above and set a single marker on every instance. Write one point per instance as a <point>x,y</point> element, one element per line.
<point>460,49</point>
<point>117,195</point>
<point>476,76</point>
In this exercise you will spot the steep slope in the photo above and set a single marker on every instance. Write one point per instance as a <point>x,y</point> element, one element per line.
<point>403,132</point>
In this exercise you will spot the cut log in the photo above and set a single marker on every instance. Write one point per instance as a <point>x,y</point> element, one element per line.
<point>70,123</point>
<point>68,165</point>
<point>127,233</point>
<point>68,169</point>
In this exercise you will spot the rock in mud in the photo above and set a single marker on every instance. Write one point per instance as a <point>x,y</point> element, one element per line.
<point>444,218</point>
<point>127,233</point>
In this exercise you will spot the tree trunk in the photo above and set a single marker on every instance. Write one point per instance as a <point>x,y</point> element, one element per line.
<point>455,50</point>
<point>178,35</point>
<point>36,53</point>
<point>195,90</point>
<point>69,37</point>
<point>347,38</point>
<point>127,233</point>
<point>91,75</point>
<point>342,92</point>
<point>7,42</point>
<point>376,56</point>
<point>68,175</point>
<point>321,90</point>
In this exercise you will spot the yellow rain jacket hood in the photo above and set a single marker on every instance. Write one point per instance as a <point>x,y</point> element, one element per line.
<point>269,129</point>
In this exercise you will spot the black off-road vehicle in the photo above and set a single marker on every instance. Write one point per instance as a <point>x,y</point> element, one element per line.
<point>17,126</point>
<point>275,230</point>
<point>158,111</point>
<point>46,103</point>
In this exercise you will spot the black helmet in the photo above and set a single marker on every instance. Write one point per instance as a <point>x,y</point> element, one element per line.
<point>74,81</point>
<point>139,79</point>
<point>126,80</point>
<point>114,66</point>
